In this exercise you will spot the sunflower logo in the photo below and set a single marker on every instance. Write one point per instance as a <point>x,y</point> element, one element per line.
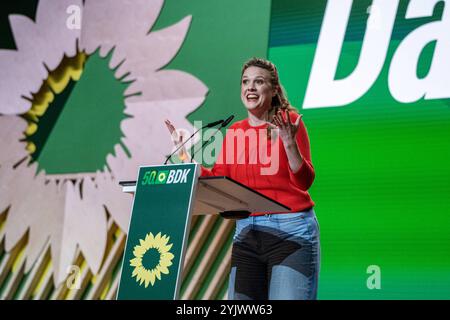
<point>151,258</point>
<point>77,108</point>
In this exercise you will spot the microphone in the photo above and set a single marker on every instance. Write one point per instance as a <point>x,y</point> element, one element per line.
<point>222,125</point>
<point>213,124</point>
<point>227,121</point>
<point>209,125</point>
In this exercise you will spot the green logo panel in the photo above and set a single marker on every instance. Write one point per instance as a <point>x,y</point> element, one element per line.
<point>157,233</point>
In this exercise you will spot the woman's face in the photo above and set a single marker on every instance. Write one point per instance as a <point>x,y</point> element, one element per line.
<point>257,90</point>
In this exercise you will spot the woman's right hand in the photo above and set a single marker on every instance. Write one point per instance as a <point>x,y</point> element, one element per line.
<point>177,139</point>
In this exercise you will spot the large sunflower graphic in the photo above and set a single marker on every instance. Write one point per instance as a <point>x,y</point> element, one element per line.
<point>56,182</point>
<point>151,259</point>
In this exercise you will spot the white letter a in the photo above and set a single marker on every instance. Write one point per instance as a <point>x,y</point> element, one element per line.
<point>404,84</point>
<point>323,90</point>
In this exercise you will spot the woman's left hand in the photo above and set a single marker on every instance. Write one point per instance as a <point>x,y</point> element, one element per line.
<point>287,129</point>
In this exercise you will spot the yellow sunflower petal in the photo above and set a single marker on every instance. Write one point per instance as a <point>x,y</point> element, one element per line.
<point>141,277</point>
<point>165,263</point>
<point>164,249</point>
<point>152,277</point>
<point>147,277</point>
<point>139,251</point>
<point>135,272</point>
<point>158,272</point>
<point>149,240</point>
<point>167,256</point>
<point>142,243</point>
<point>163,269</point>
<point>158,239</point>
<point>167,238</point>
<point>136,262</point>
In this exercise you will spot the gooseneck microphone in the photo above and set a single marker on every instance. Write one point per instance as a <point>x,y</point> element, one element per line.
<point>222,123</point>
<point>227,121</point>
<point>213,124</point>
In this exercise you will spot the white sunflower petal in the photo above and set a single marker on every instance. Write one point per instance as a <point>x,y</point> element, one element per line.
<point>106,23</point>
<point>40,43</point>
<point>156,50</point>
<point>167,85</point>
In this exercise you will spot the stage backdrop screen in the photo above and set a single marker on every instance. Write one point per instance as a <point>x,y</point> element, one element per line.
<point>371,78</point>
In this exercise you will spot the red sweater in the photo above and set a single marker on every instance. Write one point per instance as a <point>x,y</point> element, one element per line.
<point>242,161</point>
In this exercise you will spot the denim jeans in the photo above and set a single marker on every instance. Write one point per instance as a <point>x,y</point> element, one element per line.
<point>275,257</point>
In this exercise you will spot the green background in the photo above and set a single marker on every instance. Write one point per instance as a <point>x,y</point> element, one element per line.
<point>382,167</point>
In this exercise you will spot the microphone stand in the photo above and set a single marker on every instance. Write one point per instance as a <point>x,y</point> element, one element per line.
<point>222,125</point>
<point>170,155</point>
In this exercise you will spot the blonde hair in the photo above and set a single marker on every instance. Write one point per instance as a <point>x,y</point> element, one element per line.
<point>280,100</point>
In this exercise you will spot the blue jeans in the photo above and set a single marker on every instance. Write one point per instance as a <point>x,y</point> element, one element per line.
<point>275,257</point>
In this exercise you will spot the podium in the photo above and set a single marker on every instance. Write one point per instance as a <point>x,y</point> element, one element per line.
<point>165,198</point>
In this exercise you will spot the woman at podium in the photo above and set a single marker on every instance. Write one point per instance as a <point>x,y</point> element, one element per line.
<point>275,255</point>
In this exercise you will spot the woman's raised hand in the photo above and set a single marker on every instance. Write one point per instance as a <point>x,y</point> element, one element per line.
<point>177,139</point>
<point>287,129</point>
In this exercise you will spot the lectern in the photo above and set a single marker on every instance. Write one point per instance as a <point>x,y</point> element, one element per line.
<point>165,198</point>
